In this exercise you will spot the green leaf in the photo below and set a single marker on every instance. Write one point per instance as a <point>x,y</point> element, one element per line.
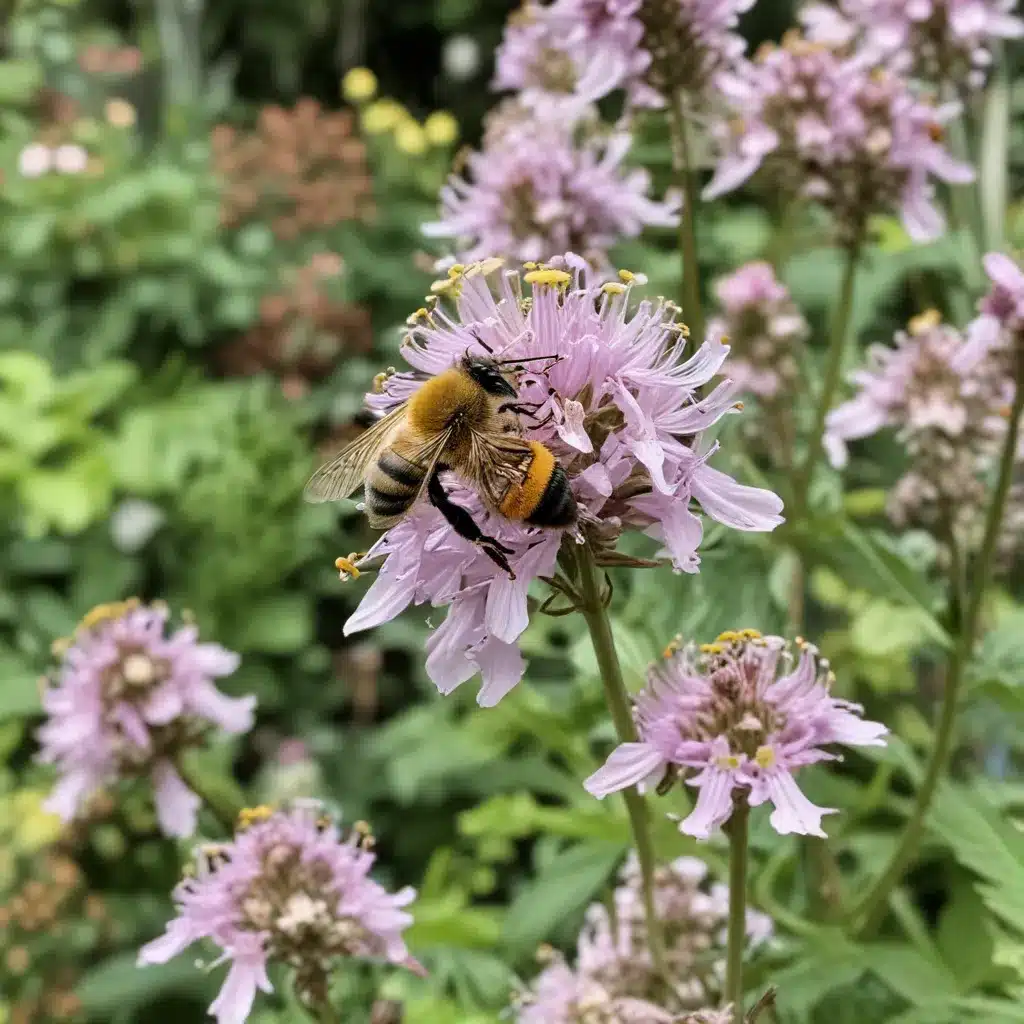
<point>917,978</point>
<point>117,984</point>
<point>881,628</point>
<point>19,691</point>
<point>563,888</point>
<point>20,80</point>
<point>829,962</point>
<point>277,624</point>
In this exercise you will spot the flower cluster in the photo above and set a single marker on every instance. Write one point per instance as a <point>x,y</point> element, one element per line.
<point>617,404</point>
<point>302,169</point>
<point>824,127</point>
<point>1000,323</point>
<point>766,332</point>
<point>615,981</point>
<point>544,186</point>
<point>947,42</point>
<point>946,399</point>
<point>289,888</point>
<point>302,329</point>
<point>126,701</point>
<point>739,718</point>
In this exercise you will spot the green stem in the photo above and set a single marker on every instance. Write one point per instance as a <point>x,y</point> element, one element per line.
<point>830,384</point>
<point>682,164</point>
<point>617,696</point>
<point>224,809</point>
<point>867,915</point>
<point>737,936</point>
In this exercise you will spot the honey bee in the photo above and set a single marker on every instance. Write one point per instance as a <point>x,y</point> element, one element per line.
<point>466,420</point>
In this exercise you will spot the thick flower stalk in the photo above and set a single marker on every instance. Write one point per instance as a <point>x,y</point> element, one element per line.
<point>614,980</point>
<point>946,400</point>
<point>737,718</point>
<point>544,186</point>
<point>944,42</point>
<point>127,699</point>
<point>766,333</point>
<point>617,403</point>
<point>822,127</point>
<point>291,889</point>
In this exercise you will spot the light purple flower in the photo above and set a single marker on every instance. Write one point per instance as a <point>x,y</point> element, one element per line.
<point>126,700</point>
<point>1001,311</point>
<point>617,404</point>
<point>947,42</point>
<point>288,889</point>
<point>827,128</point>
<point>614,978</point>
<point>543,186</point>
<point>737,716</point>
<point>70,159</point>
<point>945,398</point>
<point>765,330</point>
<point>561,57</point>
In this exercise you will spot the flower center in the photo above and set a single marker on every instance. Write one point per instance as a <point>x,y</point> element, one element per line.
<point>555,70</point>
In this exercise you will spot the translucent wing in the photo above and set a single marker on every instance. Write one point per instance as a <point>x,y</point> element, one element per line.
<point>495,463</point>
<point>424,454</point>
<point>338,478</point>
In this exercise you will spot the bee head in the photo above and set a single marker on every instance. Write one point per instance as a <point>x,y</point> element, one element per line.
<point>488,374</point>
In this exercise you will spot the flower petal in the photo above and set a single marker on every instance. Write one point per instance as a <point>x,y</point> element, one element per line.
<point>628,765</point>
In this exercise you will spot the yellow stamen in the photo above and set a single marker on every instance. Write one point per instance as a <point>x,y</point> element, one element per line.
<point>456,270</point>
<point>730,636</point>
<point>712,648</point>
<point>548,276</point>
<point>672,647</point>
<point>613,288</point>
<point>626,275</point>
<point>765,757</point>
<point>108,612</point>
<point>485,267</point>
<point>750,634</point>
<point>447,286</point>
<point>727,761</point>
<point>924,322</point>
<point>249,816</point>
<point>529,265</point>
<point>347,567</point>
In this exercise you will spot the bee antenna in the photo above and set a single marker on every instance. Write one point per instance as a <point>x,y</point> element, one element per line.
<point>480,341</point>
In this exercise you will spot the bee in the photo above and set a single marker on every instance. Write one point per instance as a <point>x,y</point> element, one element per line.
<point>466,420</point>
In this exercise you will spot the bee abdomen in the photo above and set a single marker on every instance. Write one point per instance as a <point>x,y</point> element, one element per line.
<point>557,506</point>
<point>392,486</point>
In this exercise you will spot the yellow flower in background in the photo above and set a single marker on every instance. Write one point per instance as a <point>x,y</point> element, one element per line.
<point>441,128</point>
<point>383,116</point>
<point>120,113</point>
<point>34,828</point>
<point>359,85</point>
<point>411,138</point>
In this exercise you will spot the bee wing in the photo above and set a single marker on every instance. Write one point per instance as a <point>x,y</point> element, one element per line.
<point>495,463</point>
<point>338,478</point>
<point>426,455</point>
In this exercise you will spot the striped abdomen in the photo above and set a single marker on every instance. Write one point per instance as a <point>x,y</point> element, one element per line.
<point>393,483</point>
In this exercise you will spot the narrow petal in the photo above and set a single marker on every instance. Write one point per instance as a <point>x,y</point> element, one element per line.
<point>501,666</point>
<point>627,765</point>
<point>714,803</point>
<point>793,811</point>
<point>176,805</point>
<point>735,504</point>
<point>386,599</point>
<point>234,1002</point>
<point>232,714</point>
<point>178,936</point>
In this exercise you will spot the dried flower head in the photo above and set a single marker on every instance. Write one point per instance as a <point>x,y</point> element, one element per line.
<point>738,718</point>
<point>302,169</point>
<point>945,398</point>
<point>616,402</point>
<point>615,981</point>
<point>945,42</point>
<point>126,700</point>
<point>823,127</point>
<point>304,328</point>
<point>289,888</point>
<point>543,186</point>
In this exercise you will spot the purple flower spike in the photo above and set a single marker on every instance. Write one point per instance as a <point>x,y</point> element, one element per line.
<point>288,889</point>
<point>617,403</point>
<point>127,700</point>
<point>737,716</point>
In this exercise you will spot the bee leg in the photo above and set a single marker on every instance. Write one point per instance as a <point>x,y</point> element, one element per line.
<point>462,523</point>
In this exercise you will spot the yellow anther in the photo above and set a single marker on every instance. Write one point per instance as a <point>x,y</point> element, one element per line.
<point>416,315</point>
<point>750,634</point>
<point>446,286</point>
<point>548,276</point>
<point>613,288</point>
<point>249,816</point>
<point>730,636</point>
<point>712,648</point>
<point>485,267</point>
<point>456,270</point>
<point>359,85</point>
<point>765,758</point>
<point>683,329</point>
<point>362,827</point>
<point>738,406</point>
<point>727,761</point>
<point>530,265</point>
<point>347,567</point>
<point>108,612</point>
<point>924,322</point>
<point>672,647</point>
<point>626,275</point>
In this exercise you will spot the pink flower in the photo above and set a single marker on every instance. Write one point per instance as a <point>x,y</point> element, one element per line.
<point>945,398</point>
<point>70,159</point>
<point>617,404</point>
<point>765,330</point>
<point>127,700</point>
<point>35,160</point>
<point>614,978</point>
<point>289,889</point>
<point>944,41</point>
<point>543,186</point>
<point>1001,311</point>
<point>727,718</point>
<point>828,128</point>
